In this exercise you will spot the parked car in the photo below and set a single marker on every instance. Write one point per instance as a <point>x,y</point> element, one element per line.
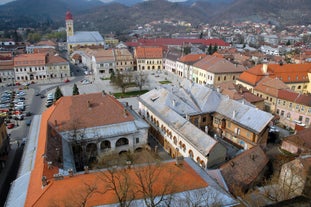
<point>10,125</point>
<point>28,122</point>
<point>85,82</point>
<point>42,96</point>
<point>18,116</point>
<point>66,80</point>
<point>49,103</point>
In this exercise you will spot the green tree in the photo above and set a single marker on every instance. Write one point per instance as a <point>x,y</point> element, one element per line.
<point>215,48</point>
<point>187,50</point>
<point>75,90</point>
<point>58,94</point>
<point>210,50</point>
<point>288,42</point>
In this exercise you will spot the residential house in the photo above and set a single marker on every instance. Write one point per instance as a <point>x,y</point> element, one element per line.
<point>214,70</point>
<point>37,66</point>
<point>4,144</point>
<point>98,60</point>
<point>241,94</point>
<point>295,76</point>
<point>6,71</point>
<point>111,40</point>
<point>294,109</point>
<point>57,67</point>
<point>170,58</point>
<point>149,58</point>
<point>299,143</point>
<point>183,64</point>
<point>268,89</point>
<point>42,47</point>
<point>124,60</point>
<point>245,170</point>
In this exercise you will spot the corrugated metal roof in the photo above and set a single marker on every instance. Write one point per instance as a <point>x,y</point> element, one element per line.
<point>86,37</point>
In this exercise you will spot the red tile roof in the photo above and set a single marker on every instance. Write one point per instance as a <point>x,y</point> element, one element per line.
<point>36,59</point>
<point>242,170</point>
<point>288,73</point>
<point>6,65</point>
<point>88,110</point>
<point>295,97</point>
<point>54,59</point>
<point>270,86</point>
<point>173,41</point>
<point>149,53</point>
<point>191,58</point>
<point>218,65</point>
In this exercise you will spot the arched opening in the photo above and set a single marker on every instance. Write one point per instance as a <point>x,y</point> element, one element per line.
<point>190,154</point>
<point>139,149</point>
<point>91,152</point>
<point>202,164</point>
<point>105,145</point>
<point>122,142</point>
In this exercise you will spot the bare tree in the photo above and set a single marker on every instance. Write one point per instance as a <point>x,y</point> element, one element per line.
<point>149,177</point>
<point>79,196</point>
<point>123,80</point>
<point>286,184</point>
<point>140,79</point>
<point>198,198</point>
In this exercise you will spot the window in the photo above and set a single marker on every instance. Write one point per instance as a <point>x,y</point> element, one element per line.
<point>288,115</point>
<point>307,121</point>
<point>300,118</point>
<point>237,130</point>
<point>290,105</point>
<point>284,103</point>
<point>137,140</point>
<point>297,106</point>
<point>302,108</point>
<point>204,119</point>
<point>282,113</point>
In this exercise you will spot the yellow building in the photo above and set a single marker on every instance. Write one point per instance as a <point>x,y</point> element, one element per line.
<point>149,58</point>
<point>215,70</point>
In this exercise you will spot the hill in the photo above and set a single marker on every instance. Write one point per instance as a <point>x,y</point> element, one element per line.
<point>95,15</point>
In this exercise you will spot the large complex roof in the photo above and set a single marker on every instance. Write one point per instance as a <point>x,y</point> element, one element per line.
<point>190,98</point>
<point>149,53</point>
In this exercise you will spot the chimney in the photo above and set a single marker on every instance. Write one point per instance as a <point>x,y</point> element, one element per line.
<point>86,169</point>
<point>131,107</point>
<point>125,113</point>
<point>179,160</point>
<point>44,181</point>
<point>174,102</point>
<point>70,171</point>
<point>103,92</point>
<point>50,166</point>
<point>265,68</point>
<point>233,114</point>
<point>89,105</point>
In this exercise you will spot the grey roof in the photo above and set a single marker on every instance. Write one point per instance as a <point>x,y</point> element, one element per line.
<point>195,137</point>
<point>190,98</point>
<point>85,37</point>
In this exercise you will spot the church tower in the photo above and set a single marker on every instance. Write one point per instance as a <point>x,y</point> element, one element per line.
<point>69,24</point>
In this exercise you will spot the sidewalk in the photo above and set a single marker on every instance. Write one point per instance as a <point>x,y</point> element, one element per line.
<point>8,175</point>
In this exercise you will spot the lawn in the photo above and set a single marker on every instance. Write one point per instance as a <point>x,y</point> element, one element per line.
<point>130,94</point>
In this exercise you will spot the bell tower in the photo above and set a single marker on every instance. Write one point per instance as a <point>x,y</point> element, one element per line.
<point>69,24</point>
